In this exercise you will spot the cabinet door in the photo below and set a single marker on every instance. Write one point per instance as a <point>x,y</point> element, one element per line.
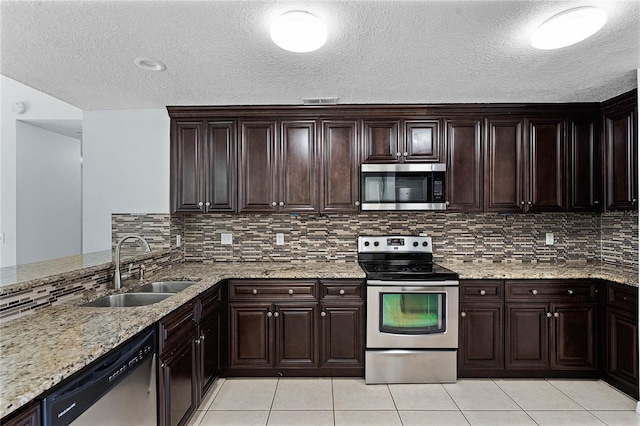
<point>421,141</point>
<point>585,180</point>
<point>545,165</point>
<point>220,161</point>
<point>342,335</point>
<point>527,338</point>
<point>27,416</point>
<point>297,173</point>
<point>622,348</point>
<point>481,337</point>
<point>249,334</point>
<point>257,177</point>
<point>381,142</point>
<point>573,337</point>
<point>178,391</point>
<point>621,154</point>
<point>295,335</point>
<point>464,166</point>
<point>340,167</point>
<point>187,173</point>
<point>503,165</point>
<point>209,350</point>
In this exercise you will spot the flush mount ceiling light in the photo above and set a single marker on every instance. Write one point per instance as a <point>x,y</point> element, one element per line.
<point>298,31</point>
<point>569,27</point>
<point>149,64</point>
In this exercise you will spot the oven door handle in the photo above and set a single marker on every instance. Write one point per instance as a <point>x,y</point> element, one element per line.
<point>421,284</point>
<point>453,290</point>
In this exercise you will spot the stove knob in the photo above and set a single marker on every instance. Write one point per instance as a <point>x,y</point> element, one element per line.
<point>366,243</point>
<point>376,244</point>
<point>424,244</point>
<point>415,244</point>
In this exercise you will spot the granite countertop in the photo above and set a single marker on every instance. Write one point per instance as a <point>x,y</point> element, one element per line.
<point>39,351</point>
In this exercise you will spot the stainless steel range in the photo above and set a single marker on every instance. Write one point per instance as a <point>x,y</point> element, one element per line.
<point>412,312</point>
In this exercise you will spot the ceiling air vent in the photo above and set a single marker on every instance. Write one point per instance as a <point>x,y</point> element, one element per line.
<point>320,101</point>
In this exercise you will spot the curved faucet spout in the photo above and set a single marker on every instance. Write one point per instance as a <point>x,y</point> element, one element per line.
<point>117,279</point>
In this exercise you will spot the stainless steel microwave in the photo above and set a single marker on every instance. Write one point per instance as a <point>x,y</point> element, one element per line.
<point>415,186</point>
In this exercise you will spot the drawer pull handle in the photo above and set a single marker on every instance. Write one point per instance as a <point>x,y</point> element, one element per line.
<point>549,315</point>
<point>570,291</point>
<point>290,291</point>
<point>555,314</point>
<point>463,314</point>
<point>534,292</point>
<point>276,314</point>
<point>269,314</point>
<point>482,292</point>
<point>341,291</point>
<point>323,314</point>
<point>254,291</point>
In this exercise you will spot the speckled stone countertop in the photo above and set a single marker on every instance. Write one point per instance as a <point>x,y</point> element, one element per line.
<point>39,351</point>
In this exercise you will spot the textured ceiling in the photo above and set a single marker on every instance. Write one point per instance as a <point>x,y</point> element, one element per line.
<point>219,52</point>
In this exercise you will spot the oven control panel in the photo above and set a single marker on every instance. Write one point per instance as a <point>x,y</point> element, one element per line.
<point>394,244</point>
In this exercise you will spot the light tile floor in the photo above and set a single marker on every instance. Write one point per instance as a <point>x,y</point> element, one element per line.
<point>348,401</point>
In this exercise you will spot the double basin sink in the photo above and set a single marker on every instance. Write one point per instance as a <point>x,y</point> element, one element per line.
<point>148,294</point>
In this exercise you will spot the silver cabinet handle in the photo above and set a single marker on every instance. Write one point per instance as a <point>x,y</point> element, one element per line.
<point>269,314</point>
<point>200,204</point>
<point>273,204</point>
<point>207,204</point>
<point>357,203</point>
<point>254,291</point>
<point>634,201</point>
<point>202,337</point>
<point>522,203</point>
<point>281,203</point>
<point>398,154</point>
<point>447,202</point>
<point>556,314</point>
<point>463,314</point>
<point>596,202</point>
<point>570,291</point>
<point>530,203</point>
<point>548,314</point>
<point>197,341</point>
<point>406,154</point>
<point>482,292</point>
<point>323,314</point>
<point>341,291</point>
<point>276,315</point>
<point>290,291</point>
<point>534,292</point>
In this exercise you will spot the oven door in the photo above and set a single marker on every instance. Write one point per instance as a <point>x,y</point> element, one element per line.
<point>412,316</point>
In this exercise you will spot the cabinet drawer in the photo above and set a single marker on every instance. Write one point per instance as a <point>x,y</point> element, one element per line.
<point>549,290</point>
<point>481,290</point>
<point>272,290</point>
<point>623,297</point>
<point>177,326</point>
<point>347,289</point>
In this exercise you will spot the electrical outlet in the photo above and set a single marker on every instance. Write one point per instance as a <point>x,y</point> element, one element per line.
<point>279,239</point>
<point>226,238</point>
<point>178,240</point>
<point>549,238</point>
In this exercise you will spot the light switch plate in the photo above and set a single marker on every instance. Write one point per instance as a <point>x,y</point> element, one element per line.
<point>549,238</point>
<point>279,239</point>
<point>226,238</point>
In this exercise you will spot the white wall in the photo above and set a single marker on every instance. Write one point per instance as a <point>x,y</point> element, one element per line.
<point>48,196</point>
<point>38,106</point>
<point>125,169</point>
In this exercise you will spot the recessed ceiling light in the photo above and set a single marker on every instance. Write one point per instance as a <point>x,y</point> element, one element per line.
<point>569,27</point>
<point>298,31</point>
<point>149,64</point>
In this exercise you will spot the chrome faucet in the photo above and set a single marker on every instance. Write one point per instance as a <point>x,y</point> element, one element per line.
<point>116,275</point>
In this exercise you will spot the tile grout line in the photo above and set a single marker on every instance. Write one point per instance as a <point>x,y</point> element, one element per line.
<point>273,399</point>
<point>560,390</point>
<point>514,401</point>
<point>394,404</point>
<point>456,404</point>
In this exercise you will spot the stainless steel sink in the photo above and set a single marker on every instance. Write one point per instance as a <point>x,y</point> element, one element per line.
<point>123,300</point>
<point>165,286</point>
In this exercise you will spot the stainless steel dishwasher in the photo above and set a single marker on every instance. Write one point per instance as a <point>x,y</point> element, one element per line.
<point>118,389</point>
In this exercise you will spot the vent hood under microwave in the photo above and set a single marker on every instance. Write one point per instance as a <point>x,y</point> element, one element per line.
<point>391,187</point>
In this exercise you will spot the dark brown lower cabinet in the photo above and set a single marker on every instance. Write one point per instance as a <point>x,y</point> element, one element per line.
<point>27,416</point>
<point>481,338</point>
<point>341,343</point>
<point>177,383</point>
<point>621,344</point>
<point>208,345</point>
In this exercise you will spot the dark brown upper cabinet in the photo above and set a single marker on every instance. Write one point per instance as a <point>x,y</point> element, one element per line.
<point>584,173</point>
<point>383,142</point>
<point>545,169</point>
<point>621,151</point>
<point>278,170</point>
<point>524,165</point>
<point>464,165</point>
<point>203,166</point>
<point>340,168</point>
